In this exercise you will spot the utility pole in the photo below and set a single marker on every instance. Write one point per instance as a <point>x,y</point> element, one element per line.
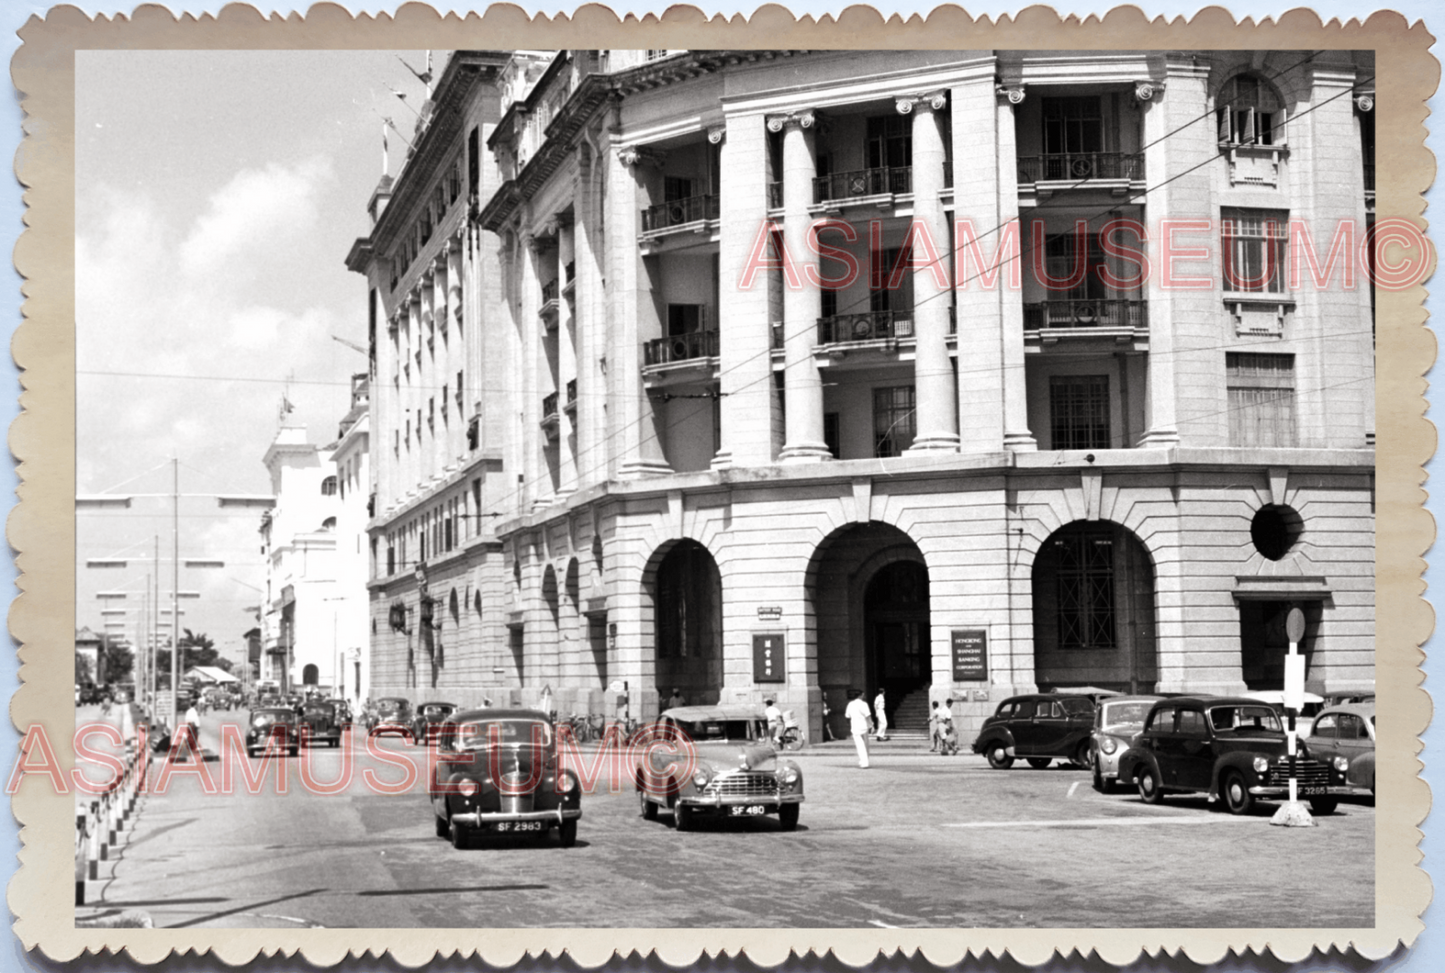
<point>176,589</point>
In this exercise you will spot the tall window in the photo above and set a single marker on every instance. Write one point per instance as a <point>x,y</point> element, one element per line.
<point>1261,399</point>
<point>328,487</point>
<point>1085,582</point>
<point>894,420</point>
<point>1073,125</point>
<point>1061,257</point>
<point>1249,112</point>
<point>890,141</point>
<point>1254,250</point>
<point>1079,411</point>
<point>880,297</point>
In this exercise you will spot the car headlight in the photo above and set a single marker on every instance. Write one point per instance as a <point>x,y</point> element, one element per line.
<point>788,775</point>
<point>1342,764</point>
<point>1109,745</point>
<point>1261,765</point>
<point>700,778</point>
<point>565,784</point>
<point>467,788</point>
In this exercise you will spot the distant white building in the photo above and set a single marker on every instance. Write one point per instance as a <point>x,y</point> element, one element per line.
<point>350,461</point>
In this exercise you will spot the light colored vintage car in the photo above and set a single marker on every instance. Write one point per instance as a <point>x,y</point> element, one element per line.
<point>497,773</point>
<point>1347,733</point>
<point>1118,721</point>
<point>715,761</point>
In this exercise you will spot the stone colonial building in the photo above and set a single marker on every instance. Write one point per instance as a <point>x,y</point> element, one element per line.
<point>752,373</point>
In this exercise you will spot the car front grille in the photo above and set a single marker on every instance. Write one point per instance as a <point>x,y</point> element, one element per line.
<point>1309,773</point>
<point>743,785</point>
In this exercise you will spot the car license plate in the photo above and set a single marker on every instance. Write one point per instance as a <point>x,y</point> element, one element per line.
<point>746,810</point>
<point>521,826</point>
<point>1313,791</point>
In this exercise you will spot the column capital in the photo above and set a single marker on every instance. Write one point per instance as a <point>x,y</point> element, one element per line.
<point>1146,90</point>
<point>717,133</point>
<point>932,100</point>
<point>638,155</point>
<point>1365,102</point>
<point>1013,92</point>
<point>803,118</point>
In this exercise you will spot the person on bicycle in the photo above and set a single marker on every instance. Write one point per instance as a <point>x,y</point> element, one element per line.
<point>775,721</point>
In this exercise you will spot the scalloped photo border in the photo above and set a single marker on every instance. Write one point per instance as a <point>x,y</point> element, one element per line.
<point>41,526</point>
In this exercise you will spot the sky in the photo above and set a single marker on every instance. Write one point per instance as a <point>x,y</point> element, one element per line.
<point>217,195</point>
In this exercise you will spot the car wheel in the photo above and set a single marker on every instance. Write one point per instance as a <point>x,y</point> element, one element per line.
<point>1084,756</point>
<point>649,809</point>
<point>998,757</point>
<point>788,816</point>
<point>567,831</point>
<point>1039,763</point>
<point>1100,784</point>
<point>1148,782</point>
<point>794,741</point>
<point>444,827</point>
<point>682,817</point>
<point>459,835</point>
<point>1324,805</point>
<point>1237,797</point>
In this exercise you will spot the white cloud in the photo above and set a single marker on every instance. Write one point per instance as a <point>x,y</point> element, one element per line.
<point>257,209</point>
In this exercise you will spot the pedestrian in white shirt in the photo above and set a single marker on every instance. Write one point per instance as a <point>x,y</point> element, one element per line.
<point>858,720</point>
<point>775,721</point>
<point>881,715</point>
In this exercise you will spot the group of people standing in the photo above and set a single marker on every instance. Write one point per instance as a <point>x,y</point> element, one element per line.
<point>863,721</point>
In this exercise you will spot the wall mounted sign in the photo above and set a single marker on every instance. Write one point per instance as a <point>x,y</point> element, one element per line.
<point>769,662</point>
<point>970,655</point>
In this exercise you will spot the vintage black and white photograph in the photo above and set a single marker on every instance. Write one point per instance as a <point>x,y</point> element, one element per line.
<point>727,488</point>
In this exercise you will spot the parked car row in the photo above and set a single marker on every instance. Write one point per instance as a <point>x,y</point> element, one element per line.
<point>1233,749</point>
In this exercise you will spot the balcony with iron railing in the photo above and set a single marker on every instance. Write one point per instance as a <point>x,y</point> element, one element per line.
<point>865,326</point>
<point>693,346</point>
<point>571,404</point>
<point>551,419</point>
<point>860,185</point>
<point>548,311</point>
<point>1085,167</point>
<point>679,215</point>
<point>1118,316</point>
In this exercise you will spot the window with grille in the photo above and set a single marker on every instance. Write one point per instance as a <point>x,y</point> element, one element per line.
<point>1254,250</point>
<point>890,141</point>
<point>880,297</point>
<point>1073,125</point>
<point>328,487</point>
<point>1086,590</point>
<point>894,422</point>
<point>1062,259</point>
<point>1261,399</point>
<point>1249,112</point>
<point>1079,411</point>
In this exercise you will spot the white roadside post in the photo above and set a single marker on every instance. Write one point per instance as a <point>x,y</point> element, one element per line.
<point>1293,814</point>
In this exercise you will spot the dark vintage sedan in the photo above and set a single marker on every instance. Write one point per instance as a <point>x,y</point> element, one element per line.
<point>429,715</point>
<point>716,761</point>
<point>1038,727</point>
<point>497,773</point>
<point>1229,748</point>
<point>322,722</point>
<point>391,716</point>
<point>1345,735</point>
<point>271,729</point>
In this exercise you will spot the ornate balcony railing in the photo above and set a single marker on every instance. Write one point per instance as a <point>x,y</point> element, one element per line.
<point>1116,314</point>
<point>679,212</point>
<point>868,326</point>
<point>680,347</point>
<point>1080,166</point>
<point>862,182</point>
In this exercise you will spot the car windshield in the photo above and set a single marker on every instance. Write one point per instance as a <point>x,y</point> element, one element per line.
<point>1247,718</point>
<point>1132,712</point>
<point>435,712</point>
<point>266,719</point>
<point>476,736</point>
<point>721,731</point>
<point>387,706</point>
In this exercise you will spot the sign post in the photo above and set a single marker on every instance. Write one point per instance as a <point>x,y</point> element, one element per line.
<point>1293,814</point>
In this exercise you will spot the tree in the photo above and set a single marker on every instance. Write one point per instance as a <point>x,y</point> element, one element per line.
<point>83,675</point>
<point>197,649</point>
<point>119,661</point>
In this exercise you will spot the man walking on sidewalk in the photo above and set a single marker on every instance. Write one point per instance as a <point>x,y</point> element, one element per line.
<point>857,714</point>
<point>881,715</point>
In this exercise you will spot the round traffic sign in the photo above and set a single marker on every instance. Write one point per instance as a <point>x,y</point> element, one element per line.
<point>1294,625</point>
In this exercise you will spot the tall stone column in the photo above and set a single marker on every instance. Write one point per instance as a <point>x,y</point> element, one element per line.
<point>933,382</point>
<point>744,324</point>
<point>566,365</point>
<point>588,322</point>
<point>412,367</point>
<point>458,355</point>
<point>638,423</point>
<point>802,302</point>
<point>1016,434</point>
<point>535,484</point>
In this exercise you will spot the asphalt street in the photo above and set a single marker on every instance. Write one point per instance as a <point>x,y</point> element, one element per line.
<point>915,840</point>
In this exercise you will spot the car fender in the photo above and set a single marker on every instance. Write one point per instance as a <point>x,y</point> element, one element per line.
<point>1240,760</point>
<point>1362,771</point>
<point>994,734</point>
<point>1130,760</point>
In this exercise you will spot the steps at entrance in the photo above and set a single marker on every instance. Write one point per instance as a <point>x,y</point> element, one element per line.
<point>911,713</point>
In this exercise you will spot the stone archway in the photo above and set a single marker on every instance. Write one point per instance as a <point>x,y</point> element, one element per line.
<point>685,590</point>
<point>1093,608</point>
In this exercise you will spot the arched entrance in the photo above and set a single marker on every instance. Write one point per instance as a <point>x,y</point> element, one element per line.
<point>868,586</point>
<point>1093,596</point>
<point>687,603</point>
